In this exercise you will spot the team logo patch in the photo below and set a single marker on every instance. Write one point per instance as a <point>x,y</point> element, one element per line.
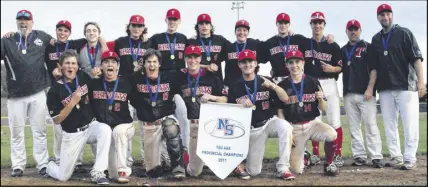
<point>224,128</point>
<point>38,42</point>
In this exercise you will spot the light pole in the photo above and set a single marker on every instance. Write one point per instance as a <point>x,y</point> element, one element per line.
<point>238,5</point>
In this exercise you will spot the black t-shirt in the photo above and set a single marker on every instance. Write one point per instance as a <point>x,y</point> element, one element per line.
<point>232,71</point>
<point>141,101</point>
<point>270,50</point>
<point>264,99</point>
<point>52,58</point>
<point>356,75</point>
<point>119,113</point>
<point>217,51</point>
<point>323,51</point>
<point>396,71</point>
<point>208,84</point>
<point>122,48</point>
<point>58,97</point>
<point>292,112</point>
<point>160,42</point>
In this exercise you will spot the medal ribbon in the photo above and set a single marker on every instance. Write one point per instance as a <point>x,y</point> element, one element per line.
<point>207,51</point>
<point>385,43</point>
<point>149,87</point>
<point>23,46</point>
<point>312,47</point>
<point>57,49</point>
<point>93,61</point>
<point>349,54</point>
<point>196,82</point>
<point>171,47</point>
<point>253,97</point>
<point>287,45</point>
<point>299,95</point>
<point>237,48</point>
<point>134,56</point>
<point>110,101</point>
<point>68,88</point>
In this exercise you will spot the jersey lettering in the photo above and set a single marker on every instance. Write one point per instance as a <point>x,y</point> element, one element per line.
<point>359,50</point>
<point>83,91</point>
<point>260,96</point>
<point>127,51</point>
<point>318,55</point>
<point>307,107</point>
<point>166,47</point>
<point>277,49</point>
<point>118,96</point>
<point>143,88</point>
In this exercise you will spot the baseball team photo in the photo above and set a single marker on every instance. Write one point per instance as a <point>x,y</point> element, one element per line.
<point>213,93</point>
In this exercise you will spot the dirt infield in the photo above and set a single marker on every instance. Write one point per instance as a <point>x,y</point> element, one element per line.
<point>349,175</point>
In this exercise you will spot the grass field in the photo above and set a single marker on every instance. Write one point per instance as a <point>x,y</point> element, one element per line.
<point>271,149</point>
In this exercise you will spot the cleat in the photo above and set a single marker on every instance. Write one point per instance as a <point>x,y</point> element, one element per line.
<point>100,178</point>
<point>377,163</point>
<point>408,165</point>
<point>395,162</point>
<point>43,171</point>
<point>122,177</point>
<point>359,161</point>
<point>331,169</point>
<point>241,173</point>
<point>338,160</point>
<point>79,169</point>
<point>287,175</point>
<point>17,173</point>
<point>179,172</point>
<point>315,160</point>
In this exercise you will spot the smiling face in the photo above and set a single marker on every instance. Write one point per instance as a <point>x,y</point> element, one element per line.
<point>282,27</point>
<point>204,28</point>
<point>136,30</point>
<point>295,66</point>
<point>92,33</point>
<point>69,67</point>
<point>247,66</point>
<point>385,19</point>
<point>62,33</point>
<point>151,65</point>
<point>317,27</point>
<point>353,33</point>
<point>172,24</point>
<point>241,34</point>
<point>193,62</point>
<point>110,67</point>
<point>24,24</point>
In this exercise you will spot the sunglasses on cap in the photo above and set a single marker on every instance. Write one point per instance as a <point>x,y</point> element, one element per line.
<point>137,25</point>
<point>23,14</point>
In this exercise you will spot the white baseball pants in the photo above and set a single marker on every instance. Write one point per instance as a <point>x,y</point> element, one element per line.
<point>73,144</point>
<point>329,87</point>
<point>181,115</point>
<point>118,155</point>
<point>57,146</point>
<point>34,107</point>
<point>405,102</point>
<point>196,165</point>
<point>357,109</point>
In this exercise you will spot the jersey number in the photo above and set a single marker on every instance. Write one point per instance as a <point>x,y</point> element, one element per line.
<point>265,105</point>
<point>165,96</point>
<point>307,107</point>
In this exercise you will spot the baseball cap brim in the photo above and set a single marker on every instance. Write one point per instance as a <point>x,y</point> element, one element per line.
<point>59,25</point>
<point>195,54</point>
<point>288,59</point>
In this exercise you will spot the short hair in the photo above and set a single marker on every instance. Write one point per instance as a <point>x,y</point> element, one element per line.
<point>91,23</point>
<point>128,32</point>
<point>152,52</point>
<point>197,28</point>
<point>68,53</point>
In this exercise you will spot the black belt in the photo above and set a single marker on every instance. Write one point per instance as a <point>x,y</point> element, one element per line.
<point>259,124</point>
<point>325,78</point>
<point>81,129</point>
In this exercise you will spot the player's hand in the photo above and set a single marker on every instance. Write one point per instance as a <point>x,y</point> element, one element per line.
<point>368,95</point>
<point>290,33</point>
<point>330,38</point>
<point>327,67</point>
<point>96,72</point>
<point>319,94</point>
<point>9,34</point>
<point>207,97</point>
<point>76,96</point>
<point>267,83</point>
<point>193,37</point>
<point>246,102</point>
<point>52,42</point>
<point>137,67</point>
<point>57,71</point>
<point>212,67</point>
<point>421,89</point>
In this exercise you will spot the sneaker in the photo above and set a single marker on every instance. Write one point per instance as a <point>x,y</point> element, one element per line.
<point>395,162</point>
<point>122,177</point>
<point>100,178</point>
<point>377,163</point>
<point>185,157</point>
<point>179,172</point>
<point>17,173</point>
<point>240,172</point>
<point>79,169</point>
<point>42,171</point>
<point>408,165</point>
<point>338,160</point>
<point>151,182</point>
<point>287,175</point>
<point>314,160</point>
<point>331,169</point>
<point>359,161</point>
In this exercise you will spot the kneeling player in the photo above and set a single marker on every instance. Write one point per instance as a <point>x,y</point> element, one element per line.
<point>152,97</point>
<point>258,93</point>
<point>69,105</point>
<point>301,111</point>
<point>109,96</point>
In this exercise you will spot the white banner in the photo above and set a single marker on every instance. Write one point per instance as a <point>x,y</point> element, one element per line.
<point>223,136</point>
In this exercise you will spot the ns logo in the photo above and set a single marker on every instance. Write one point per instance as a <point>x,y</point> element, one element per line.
<point>224,128</point>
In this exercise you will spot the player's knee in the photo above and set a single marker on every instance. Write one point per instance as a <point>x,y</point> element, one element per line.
<point>65,176</point>
<point>254,171</point>
<point>170,128</point>
<point>331,135</point>
<point>119,132</point>
<point>195,172</point>
<point>180,106</point>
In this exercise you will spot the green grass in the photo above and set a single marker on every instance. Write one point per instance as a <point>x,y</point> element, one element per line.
<point>271,149</point>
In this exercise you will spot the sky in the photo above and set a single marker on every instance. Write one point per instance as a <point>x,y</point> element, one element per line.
<point>114,15</point>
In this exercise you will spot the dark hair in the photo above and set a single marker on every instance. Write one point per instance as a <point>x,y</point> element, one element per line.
<point>197,28</point>
<point>128,32</point>
<point>91,23</point>
<point>148,53</point>
<point>68,53</point>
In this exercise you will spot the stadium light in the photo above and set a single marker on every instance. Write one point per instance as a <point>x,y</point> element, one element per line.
<point>238,5</point>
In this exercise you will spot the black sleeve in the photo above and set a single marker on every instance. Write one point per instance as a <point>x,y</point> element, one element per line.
<point>77,44</point>
<point>223,55</point>
<point>53,102</point>
<point>153,44</point>
<point>371,57</point>
<point>132,95</point>
<point>218,89</point>
<point>176,82</point>
<point>343,55</point>
<point>260,58</point>
<point>262,52</point>
<point>412,48</point>
<point>231,96</point>
<point>336,58</point>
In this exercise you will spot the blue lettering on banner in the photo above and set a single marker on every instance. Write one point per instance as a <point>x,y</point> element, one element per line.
<point>224,128</point>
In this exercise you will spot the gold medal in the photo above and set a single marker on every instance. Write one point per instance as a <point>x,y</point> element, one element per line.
<point>153,103</point>
<point>254,107</point>
<point>24,51</point>
<point>172,57</point>
<point>193,99</point>
<point>77,106</point>
<point>301,104</point>
<point>349,63</point>
<point>385,53</point>
<point>110,107</point>
<point>208,58</point>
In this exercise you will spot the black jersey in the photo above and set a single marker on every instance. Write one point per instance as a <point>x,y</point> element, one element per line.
<point>58,97</point>
<point>264,99</point>
<point>117,112</point>
<point>159,42</point>
<point>321,51</point>
<point>126,56</point>
<point>293,113</point>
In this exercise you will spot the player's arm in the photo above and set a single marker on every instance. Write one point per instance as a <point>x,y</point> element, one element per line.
<point>368,94</point>
<point>319,95</point>
<point>336,60</point>
<point>280,113</point>
<point>54,103</point>
<point>111,45</point>
<point>217,95</point>
<point>414,55</point>
<point>282,95</point>
<point>103,44</point>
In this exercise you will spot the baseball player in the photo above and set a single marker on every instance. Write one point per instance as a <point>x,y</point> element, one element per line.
<point>110,95</point>
<point>213,46</point>
<point>256,92</point>
<point>399,82</point>
<point>302,110</point>
<point>69,105</point>
<point>23,54</point>
<point>153,94</point>
<point>197,85</point>
<point>171,45</point>
<point>359,78</point>
<point>324,63</point>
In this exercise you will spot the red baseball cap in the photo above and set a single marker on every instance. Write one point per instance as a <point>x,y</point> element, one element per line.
<point>242,23</point>
<point>383,8</point>
<point>24,13</point>
<point>204,18</point>
<point>247,54</point>
<point>354,23</point>
<point>109,54</point>
<point>173,13</point>
<point>65,23</point>
<point>283,17</point>
<point>136,19</point>
<point>317,16</point>
<point>192,50</point>
<point>296,54</point>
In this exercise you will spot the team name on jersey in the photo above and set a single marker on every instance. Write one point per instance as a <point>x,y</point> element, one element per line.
<point>127,51</point>
<point>166,47</point>
<point>83,91</point>
<point>260,96</point>
<point>213,48</point>
<point>53,56</point>
<point>277,49</point>
<point>306,98</point>
<point>234,55</point>
<point>318,55</point>
<point>118,96</point>
<point>143,88</point>
<point>199,91</point>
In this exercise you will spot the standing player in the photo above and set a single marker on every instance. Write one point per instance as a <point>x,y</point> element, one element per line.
<point>69,105</point>
<point>302,110</point>
<point>213,46</point>
<point>110,95</point>
<point>197,85</point>
<point>400,80</point>
<point>27,79</point>
<point>152,97</point>
<point>324,63</point>
<point>256,92</point>
<point>359,78</point>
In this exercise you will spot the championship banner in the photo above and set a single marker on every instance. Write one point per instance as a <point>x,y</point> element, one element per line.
<point>223,136</point>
